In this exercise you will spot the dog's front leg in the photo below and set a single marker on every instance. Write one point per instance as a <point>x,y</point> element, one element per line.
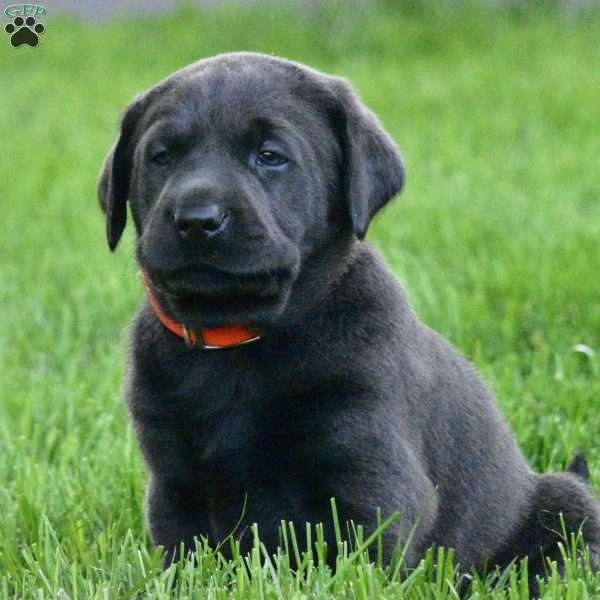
<point>176,514</point>
<point>273,509</point>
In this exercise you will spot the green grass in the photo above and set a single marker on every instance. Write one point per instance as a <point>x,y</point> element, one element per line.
<point>496,240</point>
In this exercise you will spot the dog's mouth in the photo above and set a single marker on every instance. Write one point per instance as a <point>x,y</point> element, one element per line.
<point>214,284</point>
<point>212,297</point>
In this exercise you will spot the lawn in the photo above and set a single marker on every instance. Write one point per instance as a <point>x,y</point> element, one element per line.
<point>496,239</point>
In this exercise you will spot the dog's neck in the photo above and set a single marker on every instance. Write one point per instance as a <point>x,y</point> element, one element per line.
<point>214,338</point>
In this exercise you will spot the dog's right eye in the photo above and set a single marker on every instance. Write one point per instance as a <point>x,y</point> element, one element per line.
<point>161,158</point>
<point>270,158</point>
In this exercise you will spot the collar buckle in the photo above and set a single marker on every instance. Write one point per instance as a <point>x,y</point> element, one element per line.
<point>190,341</point>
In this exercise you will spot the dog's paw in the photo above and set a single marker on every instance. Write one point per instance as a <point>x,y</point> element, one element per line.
<point>24,31</point>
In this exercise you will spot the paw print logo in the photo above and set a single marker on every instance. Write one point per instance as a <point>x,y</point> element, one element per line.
<point>24,31</point>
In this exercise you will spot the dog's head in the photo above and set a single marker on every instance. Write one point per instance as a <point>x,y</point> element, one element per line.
<point>239,169</point>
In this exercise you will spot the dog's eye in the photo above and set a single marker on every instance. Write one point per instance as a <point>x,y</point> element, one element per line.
<point>269,158</point>
<point>161,158</point>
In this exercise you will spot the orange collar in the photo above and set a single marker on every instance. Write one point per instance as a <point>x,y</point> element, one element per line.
<point>214,338</point>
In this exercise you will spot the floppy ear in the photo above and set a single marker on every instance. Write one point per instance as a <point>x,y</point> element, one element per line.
<point>113,185</point>
<point>372,169</point>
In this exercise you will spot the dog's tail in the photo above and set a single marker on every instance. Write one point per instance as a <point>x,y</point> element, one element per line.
<point>579,466</point>
<point>561,503</point>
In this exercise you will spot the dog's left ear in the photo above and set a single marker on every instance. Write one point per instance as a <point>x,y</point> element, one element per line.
<point>113,185</point>
<point>372,169</point>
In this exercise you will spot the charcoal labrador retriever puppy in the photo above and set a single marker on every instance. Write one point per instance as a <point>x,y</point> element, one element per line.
<point>276,362</point>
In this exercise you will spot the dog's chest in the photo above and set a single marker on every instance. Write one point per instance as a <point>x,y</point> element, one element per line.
<point>241,422</point>
<point>244,427</point>
<point>221,420</point>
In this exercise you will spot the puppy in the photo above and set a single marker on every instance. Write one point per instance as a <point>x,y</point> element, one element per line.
<point>275,362</point>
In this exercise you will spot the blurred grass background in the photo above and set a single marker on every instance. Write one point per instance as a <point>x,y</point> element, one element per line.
<point>496,238</point>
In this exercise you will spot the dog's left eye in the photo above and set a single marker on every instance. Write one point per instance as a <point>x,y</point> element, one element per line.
<point>270,158</point>
<point>161,158</point>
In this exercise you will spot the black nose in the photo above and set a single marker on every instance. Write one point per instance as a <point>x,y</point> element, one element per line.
<point>197,222</point>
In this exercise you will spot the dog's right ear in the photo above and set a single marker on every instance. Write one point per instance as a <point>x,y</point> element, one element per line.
<point>113,185</point>
<point>373,171</point>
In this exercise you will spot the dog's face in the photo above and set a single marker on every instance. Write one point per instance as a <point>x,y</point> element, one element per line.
<point>240,169</point>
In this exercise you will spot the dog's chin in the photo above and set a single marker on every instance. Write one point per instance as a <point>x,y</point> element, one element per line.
<point>198,311</point>
<point>204,299</point>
